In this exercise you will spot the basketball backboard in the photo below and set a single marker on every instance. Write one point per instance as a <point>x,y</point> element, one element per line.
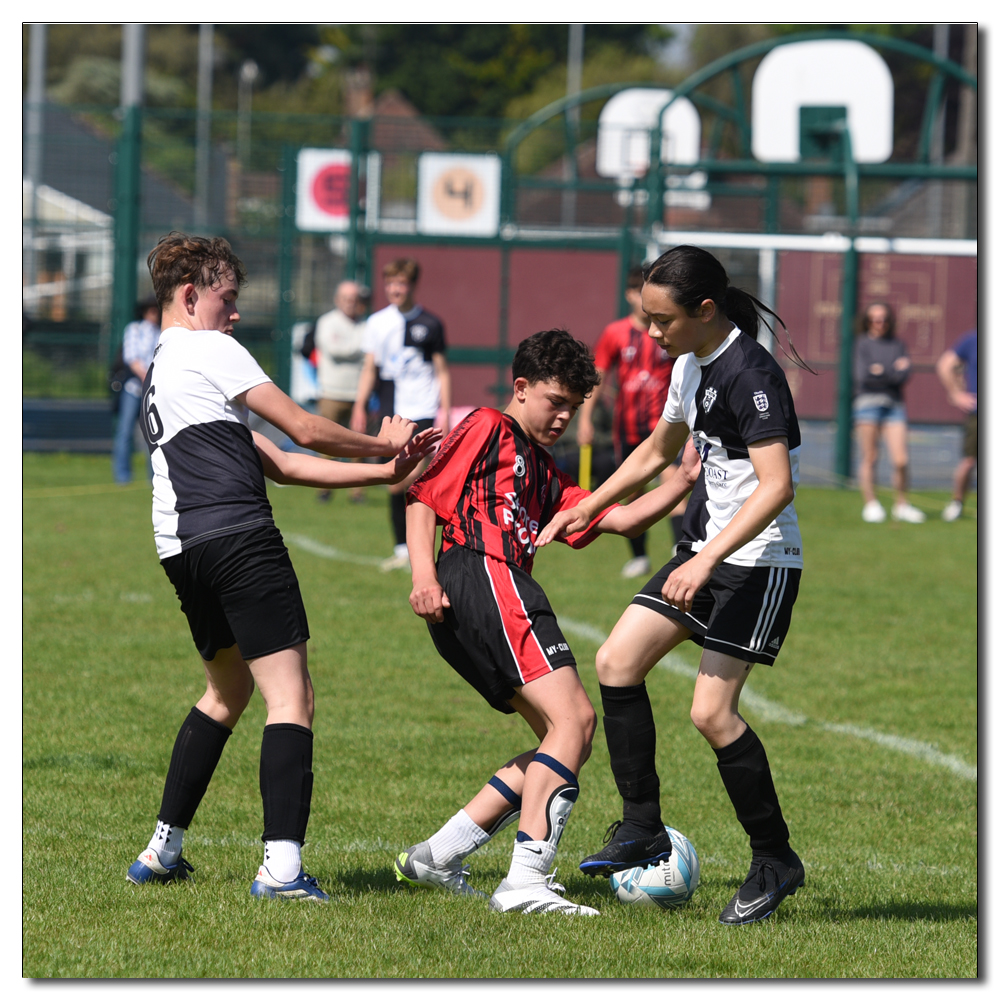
<point>804,81</point>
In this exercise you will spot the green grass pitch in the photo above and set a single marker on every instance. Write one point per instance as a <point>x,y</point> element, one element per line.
<point>869,719</point>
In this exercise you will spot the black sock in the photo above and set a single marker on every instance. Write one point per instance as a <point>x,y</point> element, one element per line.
<point>286,780</point>
<point>631,736</point>
<point>397,511</point>
<point>747,777</point>
<point>638,546</point>
<point>196,754</point>
<point>677,523</point>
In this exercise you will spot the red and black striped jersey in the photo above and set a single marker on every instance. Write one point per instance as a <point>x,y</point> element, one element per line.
<point>643,371</point>
<point>493,490</point>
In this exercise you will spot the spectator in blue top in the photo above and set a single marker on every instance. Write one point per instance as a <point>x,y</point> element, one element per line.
<point>958,369</point>
<point>138,343</point>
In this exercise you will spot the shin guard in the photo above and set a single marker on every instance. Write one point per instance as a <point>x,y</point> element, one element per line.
<point>286,781</point>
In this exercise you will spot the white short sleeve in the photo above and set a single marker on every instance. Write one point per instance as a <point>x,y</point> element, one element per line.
<point>229,366</point>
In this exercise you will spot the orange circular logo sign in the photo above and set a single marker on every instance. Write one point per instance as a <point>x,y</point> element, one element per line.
<point>458,193</point>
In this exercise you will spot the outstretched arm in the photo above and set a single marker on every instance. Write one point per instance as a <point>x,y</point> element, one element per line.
<point>644,464</point>
<point>308,430</point>
<point>644,512</point>
<point>427,598</point>
<point>291,469</point>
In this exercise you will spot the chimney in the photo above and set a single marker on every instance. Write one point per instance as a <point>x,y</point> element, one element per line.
<point>358,100</point>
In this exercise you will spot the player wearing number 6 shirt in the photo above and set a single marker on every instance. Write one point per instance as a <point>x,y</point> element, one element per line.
<point>732,583</point>
<point>493,486</point>
<point>219,546</point>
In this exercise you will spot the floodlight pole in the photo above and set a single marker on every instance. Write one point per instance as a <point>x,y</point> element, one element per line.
<point>35,134</point>
<point>203,141</point>
<point>127,183</point>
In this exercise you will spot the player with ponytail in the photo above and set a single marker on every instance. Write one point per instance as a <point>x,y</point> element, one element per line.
<point>732,583</point>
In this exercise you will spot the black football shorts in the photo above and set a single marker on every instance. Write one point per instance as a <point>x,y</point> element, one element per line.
<point>500,632</point>
<point>743,611</point>
<point>240,589</point>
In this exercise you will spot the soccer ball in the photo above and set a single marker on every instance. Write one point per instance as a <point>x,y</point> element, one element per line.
<point>669,884</point>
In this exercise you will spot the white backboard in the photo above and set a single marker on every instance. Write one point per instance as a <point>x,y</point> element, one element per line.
<point>458,194</point>
<point>830,73</point>
<point>623,131</point>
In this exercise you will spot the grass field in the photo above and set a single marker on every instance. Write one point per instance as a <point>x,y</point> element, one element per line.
<point>869,718</point>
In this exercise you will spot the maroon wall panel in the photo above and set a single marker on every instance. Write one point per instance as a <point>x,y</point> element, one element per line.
<point>573,289</point>
<point>472,385</point>
<point>576,290</point>
<point>935,300</point>
<point>461,285</point>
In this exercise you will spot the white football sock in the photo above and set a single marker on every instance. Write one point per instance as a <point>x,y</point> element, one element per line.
<point>457,839</point>
<point>167,842</point>
<point>283,859</point>
<point>401,550</point>
<point>530,862</point>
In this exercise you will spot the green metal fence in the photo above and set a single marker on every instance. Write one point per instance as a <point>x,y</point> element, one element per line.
<point>113,182</point>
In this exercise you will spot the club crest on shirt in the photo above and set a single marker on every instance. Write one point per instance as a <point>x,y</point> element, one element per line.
<point>418,333</point>
<point>760,401</point>
<point>519,467</point>
<point>708,399</point>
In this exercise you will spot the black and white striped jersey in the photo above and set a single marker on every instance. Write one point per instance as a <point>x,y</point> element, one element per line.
<point>207,476</point>
<point>730,399</point>
<point>403,346</point>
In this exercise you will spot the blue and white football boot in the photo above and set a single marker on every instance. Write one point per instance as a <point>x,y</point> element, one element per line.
<point>148,868</point>
<point>266,886</point>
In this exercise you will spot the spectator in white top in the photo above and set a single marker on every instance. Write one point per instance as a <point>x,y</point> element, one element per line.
<point>339,356</point>
<point>405,355</point>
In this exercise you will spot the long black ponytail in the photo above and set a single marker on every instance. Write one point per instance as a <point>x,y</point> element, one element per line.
<point>693,275</point>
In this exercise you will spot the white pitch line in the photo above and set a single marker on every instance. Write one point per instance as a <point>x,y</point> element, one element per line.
<point>328,552</point>
<point>769,711</point>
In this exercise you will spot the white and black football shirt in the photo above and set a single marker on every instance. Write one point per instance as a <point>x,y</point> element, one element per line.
<point>730,399</point>
<point>207,476</point>
<point>403,346</point>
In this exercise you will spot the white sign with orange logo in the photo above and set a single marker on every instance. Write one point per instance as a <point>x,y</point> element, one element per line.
<point>458,195</point>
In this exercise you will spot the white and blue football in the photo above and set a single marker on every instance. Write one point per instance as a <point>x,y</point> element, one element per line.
<point>669,884</point>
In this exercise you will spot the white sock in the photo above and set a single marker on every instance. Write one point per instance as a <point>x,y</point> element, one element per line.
<point>167,841</point>
<point>457,839</point>
<point>283,859</point>
<point>530,862</point>
<point>401,550</point>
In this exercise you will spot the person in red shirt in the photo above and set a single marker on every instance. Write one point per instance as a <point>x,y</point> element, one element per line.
<point>493,486</point>
<point>642,369</point>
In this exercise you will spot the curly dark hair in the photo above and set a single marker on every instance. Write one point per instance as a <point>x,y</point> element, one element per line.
<point>554,356</point>
<point>178,259</point>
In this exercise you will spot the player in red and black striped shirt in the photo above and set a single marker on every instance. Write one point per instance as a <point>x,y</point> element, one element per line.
<point>642,369</point>
<point>493,486</point>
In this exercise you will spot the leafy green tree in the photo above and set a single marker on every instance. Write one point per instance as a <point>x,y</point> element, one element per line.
<point>473,70</point>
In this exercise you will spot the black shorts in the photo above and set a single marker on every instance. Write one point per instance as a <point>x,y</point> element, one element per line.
<point>240,589</point>
<point>743,611</point>
<point>500,631</point>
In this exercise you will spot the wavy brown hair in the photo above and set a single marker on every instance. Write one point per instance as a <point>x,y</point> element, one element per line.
<point>178,259</point>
